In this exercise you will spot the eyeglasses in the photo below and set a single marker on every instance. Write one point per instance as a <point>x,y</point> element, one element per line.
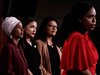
<point>53,26</point>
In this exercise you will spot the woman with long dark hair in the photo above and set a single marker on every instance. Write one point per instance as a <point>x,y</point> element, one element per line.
<point>79,55</point>
<point>48,46</point>
<point>29,46</point>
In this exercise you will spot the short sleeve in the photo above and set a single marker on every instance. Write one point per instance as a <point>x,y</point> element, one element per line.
<point>76,55</point>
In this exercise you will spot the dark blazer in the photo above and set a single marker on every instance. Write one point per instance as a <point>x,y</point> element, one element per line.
<point>32,56</point>
<point>12,60</point>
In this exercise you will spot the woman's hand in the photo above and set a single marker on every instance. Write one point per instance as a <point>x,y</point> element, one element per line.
<point>29,72</point>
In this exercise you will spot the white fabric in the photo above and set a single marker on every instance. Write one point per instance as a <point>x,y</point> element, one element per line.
<point>8,24</point>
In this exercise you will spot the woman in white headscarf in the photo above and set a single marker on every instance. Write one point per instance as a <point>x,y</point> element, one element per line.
<point>13,61</point>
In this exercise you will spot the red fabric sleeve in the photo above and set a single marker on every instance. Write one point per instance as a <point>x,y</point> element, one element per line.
<point>6,61</point>
<point>76,55</point>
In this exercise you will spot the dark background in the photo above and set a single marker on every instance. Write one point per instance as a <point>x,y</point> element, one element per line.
<point>39,9</point>
<point>59,8</point>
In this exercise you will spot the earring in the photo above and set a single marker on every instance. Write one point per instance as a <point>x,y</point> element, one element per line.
<point>19,38</point>
<point>80,21</point>
<point>10,36</point>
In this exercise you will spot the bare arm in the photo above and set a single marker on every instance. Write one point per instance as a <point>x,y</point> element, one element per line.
<point>29,72</point>
<point>78,72</point>
<point>85,72</point>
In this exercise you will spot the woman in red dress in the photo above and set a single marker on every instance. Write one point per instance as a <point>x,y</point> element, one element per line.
<point>79,55</point>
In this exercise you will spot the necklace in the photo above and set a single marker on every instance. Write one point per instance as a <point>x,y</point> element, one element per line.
<point>51,46</point>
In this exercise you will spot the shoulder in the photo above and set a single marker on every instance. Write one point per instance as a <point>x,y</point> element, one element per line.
<point>76,35</point>
<point>9,45</point>
<point>39,42</point>
<point>76,38</point>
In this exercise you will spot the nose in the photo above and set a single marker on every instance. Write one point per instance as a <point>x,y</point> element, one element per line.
<point>22,29</point>
<point>54,27</point>
<point>94,19</point>
<point>34,30</point>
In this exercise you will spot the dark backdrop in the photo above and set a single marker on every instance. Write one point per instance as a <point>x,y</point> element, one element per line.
<point>20,8</point>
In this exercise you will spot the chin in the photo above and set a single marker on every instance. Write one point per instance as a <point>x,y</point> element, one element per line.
<point>32,36</point>
<point>21,37</point>
<point>53,34</point>
<point>92,29</point>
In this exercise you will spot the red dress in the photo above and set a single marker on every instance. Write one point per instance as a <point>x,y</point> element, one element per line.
<point>79,53</point>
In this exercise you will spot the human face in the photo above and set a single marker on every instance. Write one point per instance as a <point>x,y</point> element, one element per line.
<point>51,28</point>
<point>30,29</point>
<point>89,20</point>
<point>17,32</point>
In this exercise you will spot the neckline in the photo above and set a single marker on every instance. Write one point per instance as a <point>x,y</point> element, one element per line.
<point>52,46</point>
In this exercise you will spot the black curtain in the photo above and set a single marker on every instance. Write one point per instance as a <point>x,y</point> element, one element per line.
<point>20,8</point>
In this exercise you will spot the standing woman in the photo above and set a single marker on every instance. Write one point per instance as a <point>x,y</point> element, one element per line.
<point>29,46</point>
<point>79,55</point>
<point>12,57</point>
<point>47,43</point>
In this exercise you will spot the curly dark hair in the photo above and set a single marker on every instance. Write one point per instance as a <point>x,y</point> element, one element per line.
<point>71,21</point>
<point>42,35</point>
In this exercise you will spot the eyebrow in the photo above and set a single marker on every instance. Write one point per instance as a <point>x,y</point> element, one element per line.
<point>91,14</point>
<point>17,25</point>
<point>52,24</point>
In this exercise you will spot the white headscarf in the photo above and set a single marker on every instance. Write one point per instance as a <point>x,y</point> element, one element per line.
<point>8,24</point>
